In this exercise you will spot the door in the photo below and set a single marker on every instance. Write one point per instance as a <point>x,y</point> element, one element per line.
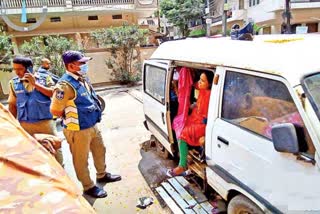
<point>250,104</point>
<point>155,99</point>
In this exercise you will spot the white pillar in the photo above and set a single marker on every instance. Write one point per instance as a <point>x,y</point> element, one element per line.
<point>276,29</point>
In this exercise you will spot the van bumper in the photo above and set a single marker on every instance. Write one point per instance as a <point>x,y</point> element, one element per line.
<point>146,125</point>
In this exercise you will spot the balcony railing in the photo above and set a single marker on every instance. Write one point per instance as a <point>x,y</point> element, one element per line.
<point>14,4</point>
<point>304,1</point>
<point>8,4</point>
<point>101,2</point>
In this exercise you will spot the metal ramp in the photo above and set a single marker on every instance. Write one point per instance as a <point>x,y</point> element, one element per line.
<point>181,197</point>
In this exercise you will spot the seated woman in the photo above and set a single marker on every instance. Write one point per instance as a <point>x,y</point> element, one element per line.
<point>193,133</point>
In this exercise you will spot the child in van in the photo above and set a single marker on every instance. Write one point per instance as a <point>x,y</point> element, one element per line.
<point>193,133</point>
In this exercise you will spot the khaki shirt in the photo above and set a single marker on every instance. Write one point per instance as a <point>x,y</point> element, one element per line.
<point>63,92</point>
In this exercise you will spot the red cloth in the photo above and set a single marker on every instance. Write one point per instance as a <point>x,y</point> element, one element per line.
<point>184,87</point>
<point>195,128</point>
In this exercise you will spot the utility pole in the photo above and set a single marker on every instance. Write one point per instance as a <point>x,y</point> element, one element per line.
<point>158,7</point>
<point>208,18</point>
<point>288,17</point>
<point>224,17</point>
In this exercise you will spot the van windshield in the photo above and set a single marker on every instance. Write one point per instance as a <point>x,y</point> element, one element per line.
<point>311,85</point>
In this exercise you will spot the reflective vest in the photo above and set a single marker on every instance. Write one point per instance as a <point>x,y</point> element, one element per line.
<point>31,106</point>
<point>84,110</point>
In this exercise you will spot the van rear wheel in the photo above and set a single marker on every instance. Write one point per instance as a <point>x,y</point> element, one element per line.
<point>161,150</point>
<point>243,205</point>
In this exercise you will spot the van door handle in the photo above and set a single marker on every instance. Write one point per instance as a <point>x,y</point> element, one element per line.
<point>222,140</point>
<point>163,121</point>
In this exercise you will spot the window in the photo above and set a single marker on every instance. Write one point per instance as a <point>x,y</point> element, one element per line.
<point>253,2</point>
<point>257,103</point>
<point>241,4</point>
<point>31,20</point>
<point>155,81</point>
<point>117,16</point>
<point>55,19</point>
<point>91,18</point>
<point>150,22</point>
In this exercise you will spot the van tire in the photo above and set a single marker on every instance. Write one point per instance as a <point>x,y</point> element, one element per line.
<point>241,204</point>
<point>161,150</point>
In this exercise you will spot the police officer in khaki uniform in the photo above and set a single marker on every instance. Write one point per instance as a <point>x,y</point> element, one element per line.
<point>75,100</point>
<point>29,100</point>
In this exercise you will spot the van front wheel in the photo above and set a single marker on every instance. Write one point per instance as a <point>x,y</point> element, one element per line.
<point>243,205</point>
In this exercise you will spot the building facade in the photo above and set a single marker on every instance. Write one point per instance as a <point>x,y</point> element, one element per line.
<point>74,19</point>
<point>269,14</point>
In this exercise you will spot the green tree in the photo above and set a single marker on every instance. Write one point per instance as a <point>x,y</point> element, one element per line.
<point>123,43</point>
<point>181,12</point>
<point>51,47</point>
<point>6,49</point>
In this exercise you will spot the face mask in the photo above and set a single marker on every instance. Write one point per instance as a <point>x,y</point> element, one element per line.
<point>83,69</point>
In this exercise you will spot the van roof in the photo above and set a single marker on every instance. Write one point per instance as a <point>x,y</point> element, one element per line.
<point>290,56</point>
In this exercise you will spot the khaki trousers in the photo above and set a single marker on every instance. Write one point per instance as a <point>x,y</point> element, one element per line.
<point>81,143</point>
<point>43,127</point>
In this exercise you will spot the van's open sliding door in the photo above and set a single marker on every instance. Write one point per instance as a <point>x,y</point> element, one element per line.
<point>156,99</point>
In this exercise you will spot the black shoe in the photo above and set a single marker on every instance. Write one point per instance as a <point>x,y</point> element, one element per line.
<point>96,192</point>
<point>108,178</point>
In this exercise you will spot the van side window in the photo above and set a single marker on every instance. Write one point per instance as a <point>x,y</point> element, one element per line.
<point>257,103</point>
<point>155,82</point>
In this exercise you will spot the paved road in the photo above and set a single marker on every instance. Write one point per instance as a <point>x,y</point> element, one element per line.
<point>123,132</point>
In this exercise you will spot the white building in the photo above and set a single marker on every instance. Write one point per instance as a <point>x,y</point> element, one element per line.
<point>268,13</point>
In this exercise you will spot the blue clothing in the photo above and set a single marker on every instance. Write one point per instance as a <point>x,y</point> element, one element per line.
<point>31,106</point>
<point>54,77</point>
<point>83,112</point>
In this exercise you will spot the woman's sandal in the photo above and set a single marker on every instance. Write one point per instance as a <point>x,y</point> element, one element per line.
<point>170,173</point>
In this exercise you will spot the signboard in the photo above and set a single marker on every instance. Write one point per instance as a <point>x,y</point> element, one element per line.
<point>302,30</point>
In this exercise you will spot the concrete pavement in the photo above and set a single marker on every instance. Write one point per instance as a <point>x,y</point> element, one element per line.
<point>123,132</point>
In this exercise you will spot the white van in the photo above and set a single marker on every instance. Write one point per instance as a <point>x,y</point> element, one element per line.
<point>262,138</point>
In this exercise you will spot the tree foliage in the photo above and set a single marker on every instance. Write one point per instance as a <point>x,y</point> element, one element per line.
<point>181,12</point>
<point>123,42</point>
<point>51,47</point>
<point>197,33</point>
<point>6,49</point>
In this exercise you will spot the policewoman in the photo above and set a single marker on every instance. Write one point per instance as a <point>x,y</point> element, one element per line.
<point>75,100</point>
<point>29,100</point>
